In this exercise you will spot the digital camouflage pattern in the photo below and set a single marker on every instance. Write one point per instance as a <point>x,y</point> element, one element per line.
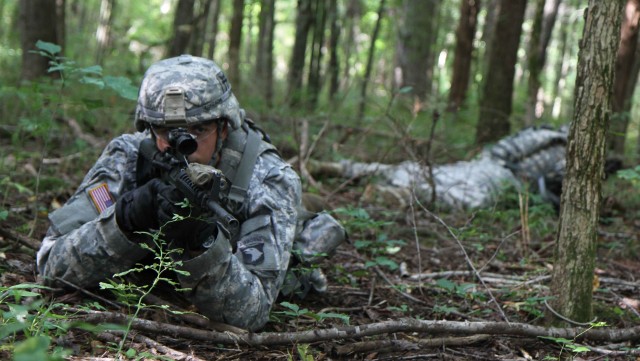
<point>207,94</point>
<point>534,156</point>
<point>84,247</point>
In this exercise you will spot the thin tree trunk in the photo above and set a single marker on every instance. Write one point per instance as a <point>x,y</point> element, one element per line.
<point>574,258</point>
<point>235,39</point>
<point>495,104</point>
<point>38,21</point>
<point>334,63</point>
<point>296,67</point>
<point>621,105</point>
<point>463,53</point>
<point>182,28</point>
<point>264,59</point>
<point>212,33</point>
<point>367,73</point>
<point>199,26</point>
<point>535,64</point>
<point>315,60</point>
<point>103,33</point>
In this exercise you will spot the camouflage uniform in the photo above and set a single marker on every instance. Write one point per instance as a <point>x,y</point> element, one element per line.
<point>533,156</point>
<point>85,245</point>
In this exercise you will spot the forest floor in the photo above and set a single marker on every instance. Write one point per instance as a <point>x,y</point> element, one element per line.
<point>474,267</point>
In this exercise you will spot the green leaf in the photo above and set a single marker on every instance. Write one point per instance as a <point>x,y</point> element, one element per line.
<point>122,86</point>
<point>50,48</point>
<point>290,306</point>
<point>4,214</point>
<point>446,284</point>
<point>340,316</point>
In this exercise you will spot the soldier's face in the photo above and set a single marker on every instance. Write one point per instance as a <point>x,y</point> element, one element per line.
<point>207,139</point>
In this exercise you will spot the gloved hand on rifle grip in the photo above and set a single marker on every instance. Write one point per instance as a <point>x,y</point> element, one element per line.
<point>136,209</point>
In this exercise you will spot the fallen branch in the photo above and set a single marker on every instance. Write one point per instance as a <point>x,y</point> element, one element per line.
<point>433,328</point>
<point>406,345</point>
<point>25,241</point>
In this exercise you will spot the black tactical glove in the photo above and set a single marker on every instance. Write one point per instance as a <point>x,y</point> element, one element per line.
<point>136,209</point>
<point>188,231</point>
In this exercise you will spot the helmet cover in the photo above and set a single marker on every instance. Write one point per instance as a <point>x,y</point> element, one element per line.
<point>183,91</point>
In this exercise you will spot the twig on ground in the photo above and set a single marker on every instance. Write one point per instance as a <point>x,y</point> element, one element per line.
<point>406,345</point>
<point>466,257</point>
<point>25,241</point>
<point>89,293</point>
<point>451,328</point>
<point>404,294</point>
<point>564,318</point>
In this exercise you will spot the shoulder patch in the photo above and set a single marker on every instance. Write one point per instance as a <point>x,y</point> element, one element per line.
<point>101,197</point>
<point>253,253</point>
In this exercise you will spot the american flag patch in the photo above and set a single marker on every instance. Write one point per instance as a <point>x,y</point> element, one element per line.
<point>101,197</point>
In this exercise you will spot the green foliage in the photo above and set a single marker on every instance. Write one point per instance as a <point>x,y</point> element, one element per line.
<point>632,175</point>
<point>132,294</point>
<point>357,222</point>
<point>571,345</point>
<point>295,312</point>
<point>28,324</point>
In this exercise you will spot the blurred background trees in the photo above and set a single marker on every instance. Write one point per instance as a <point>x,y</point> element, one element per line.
<point>495,65</point>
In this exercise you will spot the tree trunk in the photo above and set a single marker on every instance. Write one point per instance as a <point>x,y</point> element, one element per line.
<point>415,39</point>
<point>367,72</point>
<point>199,26</point>
<point>235,39</point>
<point>534,64</point>
<point>296,67</point>
<point>353,14</point>
<point>182,28</point>
<point>463,53</point>
<point>264,59</point>
<point>495,104</point>
<point>212,32</point>
<point>574,258</point>
<point>61,23</point>
<point>315,60</point>
<point>103,33</point>
<point>621,103</point>
<point>334,63</point>
<point>38,21</point>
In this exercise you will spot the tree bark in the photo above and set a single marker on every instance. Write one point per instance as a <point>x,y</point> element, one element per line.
<point>182,28</point>
<point>367,72</point>
<point>38,21</point>
<point>415,40</point>
<point>574,258</point>
<point>463,53</point>
<point>495,104</point>
<point>235,39</point>
<point>264,59</point>
<point>296,66</point>
<point>314,82</point>
<point>103,33</point>
<point>534,64</point>
<point>621,102</point>
<point>333,68</point>
<point>212,32</point>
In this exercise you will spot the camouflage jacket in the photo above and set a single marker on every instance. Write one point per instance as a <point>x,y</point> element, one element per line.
<point>84,245</point>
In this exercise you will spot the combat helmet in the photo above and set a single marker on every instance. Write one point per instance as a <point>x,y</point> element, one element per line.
<point>183,91</point>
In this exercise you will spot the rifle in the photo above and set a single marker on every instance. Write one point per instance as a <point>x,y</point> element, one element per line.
<point>203,185</point>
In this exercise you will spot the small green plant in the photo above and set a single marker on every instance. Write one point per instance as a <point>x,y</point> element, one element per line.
<point>294,311</point>
<point>134,294</point>
<point>632,175</point>
<point>358,222</point>
<point>28,324</point>
<point>571,345</point>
